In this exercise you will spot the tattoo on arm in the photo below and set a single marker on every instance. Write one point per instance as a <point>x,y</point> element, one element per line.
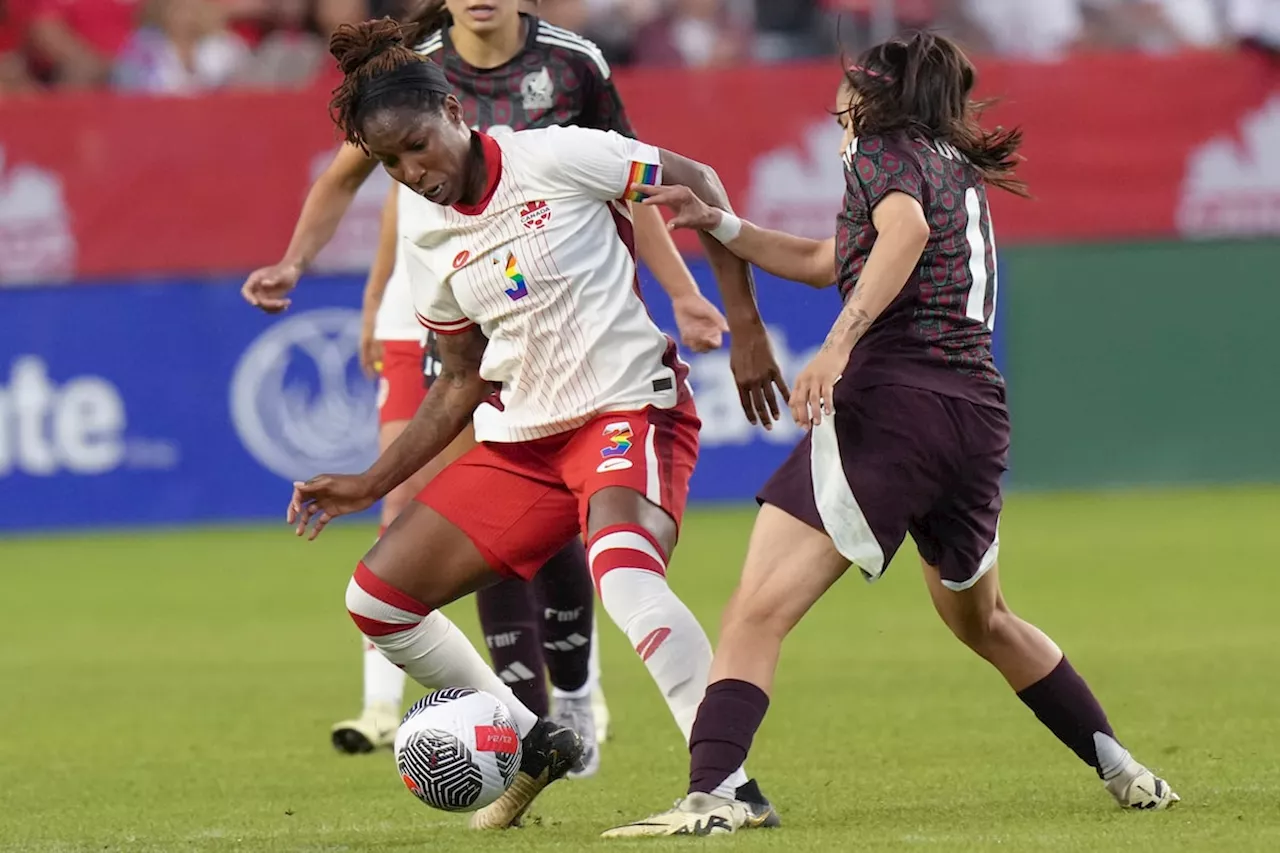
<point>460,355</point>
<point>851,325</point>
<point>458,390</point>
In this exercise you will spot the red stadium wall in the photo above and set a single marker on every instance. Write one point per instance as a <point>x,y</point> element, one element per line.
<point>1118,147</point>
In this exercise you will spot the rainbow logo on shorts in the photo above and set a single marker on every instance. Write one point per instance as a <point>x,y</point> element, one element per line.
<point>518,289</point>
<point>641,173</point>
<point>619,435</point>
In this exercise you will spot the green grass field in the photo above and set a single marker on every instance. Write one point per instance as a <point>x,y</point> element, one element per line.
<point>173,692</point>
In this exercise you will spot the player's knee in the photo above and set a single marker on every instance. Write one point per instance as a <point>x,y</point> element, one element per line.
<point>749,612</point>
<point>983,628</point>
<point>380,610</point>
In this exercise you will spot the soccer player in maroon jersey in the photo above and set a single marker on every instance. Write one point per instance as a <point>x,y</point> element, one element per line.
<point>510,71</point>
<point>908,429</point>
<point>522,259</point>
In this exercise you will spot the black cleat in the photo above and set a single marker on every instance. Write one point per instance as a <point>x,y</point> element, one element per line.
<point>548,752</point>
<point>762,813</point>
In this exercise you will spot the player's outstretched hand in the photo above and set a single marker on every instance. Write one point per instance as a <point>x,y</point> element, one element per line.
<point>688,210</point>
<point>701,324</point>
<point>814,394</point>
<point>757,374</point>
<point>268,288</point>
<point>322,499</point>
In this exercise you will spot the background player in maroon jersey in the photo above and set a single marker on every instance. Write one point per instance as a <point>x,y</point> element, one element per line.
<point>908,430</point>
<point>509,70</point>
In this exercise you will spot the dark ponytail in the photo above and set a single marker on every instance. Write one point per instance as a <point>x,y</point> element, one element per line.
<point>424,19</point>
<point>379,71</point>
<point>921,85</point>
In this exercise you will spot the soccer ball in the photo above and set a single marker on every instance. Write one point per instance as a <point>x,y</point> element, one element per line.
<point>457,749</point>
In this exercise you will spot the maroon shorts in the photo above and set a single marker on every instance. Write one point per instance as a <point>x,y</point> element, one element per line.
<point>520,503</point>
<point>896,460</point>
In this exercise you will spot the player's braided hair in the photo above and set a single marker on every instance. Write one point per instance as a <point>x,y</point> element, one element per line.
<point>921,84</point>
<point>380,72</point>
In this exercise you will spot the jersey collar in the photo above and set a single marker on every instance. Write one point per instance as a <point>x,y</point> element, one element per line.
<point>493,168</point>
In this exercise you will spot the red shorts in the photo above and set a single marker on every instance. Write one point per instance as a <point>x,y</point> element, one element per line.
<point>520,503</point>
<point>402,384</point>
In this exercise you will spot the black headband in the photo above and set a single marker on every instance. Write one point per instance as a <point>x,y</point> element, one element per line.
<point>423,76</point>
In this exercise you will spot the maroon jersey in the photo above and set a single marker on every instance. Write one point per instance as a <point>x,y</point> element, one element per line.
<point>936,335</point>
<point>558,78</point>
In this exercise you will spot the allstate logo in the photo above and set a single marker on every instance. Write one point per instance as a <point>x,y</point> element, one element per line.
<point>299,401</point>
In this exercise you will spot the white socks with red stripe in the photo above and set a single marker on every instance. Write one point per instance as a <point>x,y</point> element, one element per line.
<point>630,572</point>
<point>424,643</point>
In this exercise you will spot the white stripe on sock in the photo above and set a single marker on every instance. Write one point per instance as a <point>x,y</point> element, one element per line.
<point>363,604</point>
<point>624,539</point>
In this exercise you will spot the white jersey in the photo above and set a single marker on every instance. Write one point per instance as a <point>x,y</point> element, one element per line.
<point>395,320</point>
<point>544,266</point>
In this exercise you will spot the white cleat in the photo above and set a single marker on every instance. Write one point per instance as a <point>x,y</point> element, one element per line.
<point>1138,788</point>
<point>600,711</point>
<point>696,814</point>
<point>374,729</point>
<point>577,714</point>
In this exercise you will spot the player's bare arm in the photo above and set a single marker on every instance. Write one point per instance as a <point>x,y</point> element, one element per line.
<point>811,262</point>
<point>902,233</point>
<point>268,288</point>
<point>376,284</point>
<point>700,323</point>
<point>755,370</point>
<point>447,409</point>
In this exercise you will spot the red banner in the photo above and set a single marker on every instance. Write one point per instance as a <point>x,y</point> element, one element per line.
<point>1117,147</point>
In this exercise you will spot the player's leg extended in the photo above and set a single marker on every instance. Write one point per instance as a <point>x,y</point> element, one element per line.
<point>1045,681</point>
<point>959,542</point>
<point>422,563</point>
<point>789,566</point>
<point>502,505</point>
<point>566,597</point>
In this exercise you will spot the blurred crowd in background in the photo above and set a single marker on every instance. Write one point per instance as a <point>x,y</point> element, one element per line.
<point>191,46</point>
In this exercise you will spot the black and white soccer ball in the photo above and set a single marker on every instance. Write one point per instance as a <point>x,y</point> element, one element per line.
<point>457,749</point>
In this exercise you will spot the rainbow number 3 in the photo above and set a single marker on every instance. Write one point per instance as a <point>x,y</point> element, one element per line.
<point>518,289</point>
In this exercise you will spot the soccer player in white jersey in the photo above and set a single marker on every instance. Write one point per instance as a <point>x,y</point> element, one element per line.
<point>522,262</point>
<point>489,52</point>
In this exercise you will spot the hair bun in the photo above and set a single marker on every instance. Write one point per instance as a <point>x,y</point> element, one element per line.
<point>354,45</point>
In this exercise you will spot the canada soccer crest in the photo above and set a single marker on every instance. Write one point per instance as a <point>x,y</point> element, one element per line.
<point>535,214</point>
